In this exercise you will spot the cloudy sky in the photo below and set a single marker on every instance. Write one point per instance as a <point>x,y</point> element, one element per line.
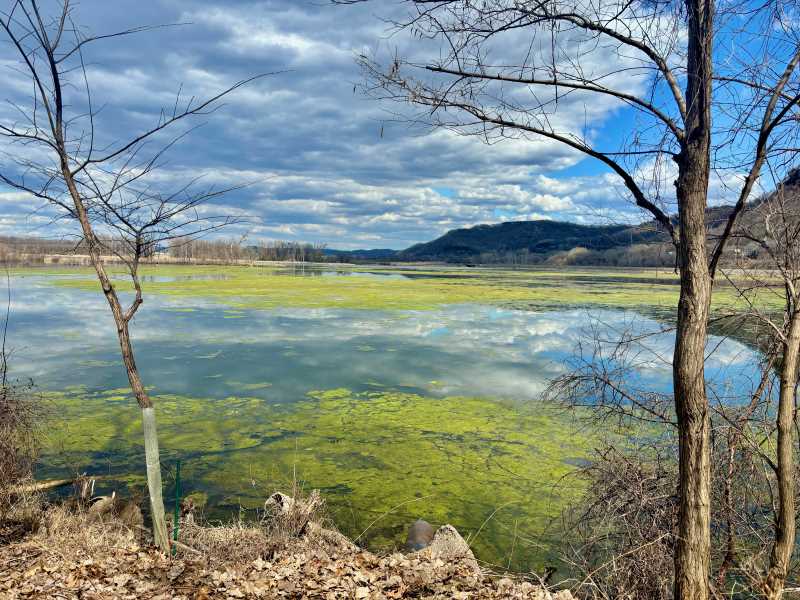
<point>324,162</point>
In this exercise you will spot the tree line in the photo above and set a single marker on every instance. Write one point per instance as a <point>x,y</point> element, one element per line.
<point>33,250</point>
<point>236,250</point>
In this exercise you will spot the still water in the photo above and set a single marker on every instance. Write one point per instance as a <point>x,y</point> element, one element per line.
<point>393,414</point>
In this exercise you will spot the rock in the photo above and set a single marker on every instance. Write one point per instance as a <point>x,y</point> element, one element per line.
<point>101,506</point>
<point>131,515</point>
<point>420,535</point>
<point>279,503</point>
<point>448,546</point>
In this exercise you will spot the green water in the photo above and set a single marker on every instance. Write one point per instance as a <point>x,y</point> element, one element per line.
<point>423,402</point>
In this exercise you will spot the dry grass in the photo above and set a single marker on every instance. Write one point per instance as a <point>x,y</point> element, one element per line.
<point>286,516</point>
<point>234,543</point>
<point>293,521</point>
<point>74,532</point>
<point>20,425</point>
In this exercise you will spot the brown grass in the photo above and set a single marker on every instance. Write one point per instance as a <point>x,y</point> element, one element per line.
<point>74,531</point>
<point>20,424</point>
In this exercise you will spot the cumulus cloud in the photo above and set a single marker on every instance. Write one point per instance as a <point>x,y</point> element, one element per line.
<point>323,163</point>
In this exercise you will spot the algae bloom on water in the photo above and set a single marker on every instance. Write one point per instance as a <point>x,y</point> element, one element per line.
<point>381,459</point>
<point>425,403</point>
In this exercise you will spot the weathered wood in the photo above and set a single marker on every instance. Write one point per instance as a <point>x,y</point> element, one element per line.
<point>50,484</point>
<point>41,486</point>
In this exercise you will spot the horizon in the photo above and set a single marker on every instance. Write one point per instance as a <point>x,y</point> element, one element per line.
<point>371,248</point>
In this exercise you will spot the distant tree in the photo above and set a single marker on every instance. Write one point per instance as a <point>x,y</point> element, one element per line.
<point>56,151</point>
<point>714,88</point>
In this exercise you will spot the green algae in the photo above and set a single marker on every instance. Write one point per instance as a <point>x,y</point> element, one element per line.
<point>266,288</point>
<point>381,458</point>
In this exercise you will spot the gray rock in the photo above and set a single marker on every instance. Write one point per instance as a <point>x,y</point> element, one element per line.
<point>449,546</point>
<point>420,535</point>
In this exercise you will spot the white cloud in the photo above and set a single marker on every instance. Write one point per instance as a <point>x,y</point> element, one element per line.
<point>325,163</point>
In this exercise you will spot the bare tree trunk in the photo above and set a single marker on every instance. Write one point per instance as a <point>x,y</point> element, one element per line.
<point>730,550</point>
<point>692,556</point>
<point>152,459</point>
<point>153,465</point>
<point>785,522</point>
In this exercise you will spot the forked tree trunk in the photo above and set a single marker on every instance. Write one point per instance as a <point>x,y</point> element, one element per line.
<point>783,547</point>
<point>151,451</point>
<point>693,550</point>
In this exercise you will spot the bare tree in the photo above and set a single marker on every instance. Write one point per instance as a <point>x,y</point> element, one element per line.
<point>773,223</point>
<point>56,151</point>
<point>626,528</point>
<point>754,489</point>
<point>521,69</point>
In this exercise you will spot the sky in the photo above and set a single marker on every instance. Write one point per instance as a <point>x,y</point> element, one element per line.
<point>322,161</point>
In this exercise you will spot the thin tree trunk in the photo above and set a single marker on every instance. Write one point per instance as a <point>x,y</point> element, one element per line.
<point>785,521</point>
<point>693,549</point>
<point>151,450</point>
<point>152,459</point>
<point>727,495</point>
<point>151,456</point>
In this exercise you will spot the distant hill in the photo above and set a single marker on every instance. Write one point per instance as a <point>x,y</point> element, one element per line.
<point>560,243</point>
<point>563,243</point>
<point>534,237</point>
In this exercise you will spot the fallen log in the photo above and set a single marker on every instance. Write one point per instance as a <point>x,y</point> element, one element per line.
<point>51,484</point>
<point>41,486</point>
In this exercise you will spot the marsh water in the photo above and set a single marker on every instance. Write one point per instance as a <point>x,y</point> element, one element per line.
<point>393,413</point>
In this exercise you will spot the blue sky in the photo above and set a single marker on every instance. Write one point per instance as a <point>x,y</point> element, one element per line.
<point>310,146</point>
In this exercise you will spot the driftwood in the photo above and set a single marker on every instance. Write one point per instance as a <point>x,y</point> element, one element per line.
<point>41,486</point>
<point>52,484</point>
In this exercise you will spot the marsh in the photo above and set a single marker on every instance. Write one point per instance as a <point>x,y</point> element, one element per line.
<point>398,393</point>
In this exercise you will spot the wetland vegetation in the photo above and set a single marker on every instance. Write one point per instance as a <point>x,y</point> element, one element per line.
<point>399,392</point>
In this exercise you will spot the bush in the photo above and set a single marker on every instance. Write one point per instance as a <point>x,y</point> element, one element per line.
<point>20,416</point>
